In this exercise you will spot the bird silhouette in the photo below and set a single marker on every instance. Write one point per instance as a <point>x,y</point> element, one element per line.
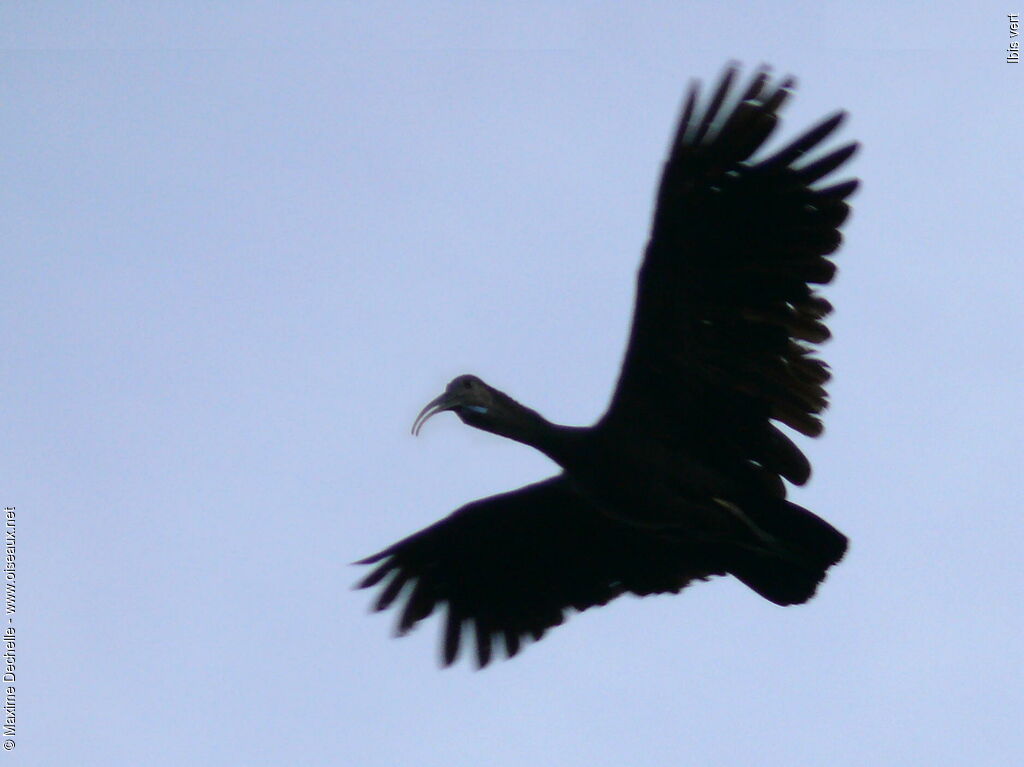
<point>682,478</point>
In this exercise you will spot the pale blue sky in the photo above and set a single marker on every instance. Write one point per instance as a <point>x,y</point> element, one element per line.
<point>245,243</point>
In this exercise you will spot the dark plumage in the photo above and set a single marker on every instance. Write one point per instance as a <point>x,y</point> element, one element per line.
<point>682,478</point>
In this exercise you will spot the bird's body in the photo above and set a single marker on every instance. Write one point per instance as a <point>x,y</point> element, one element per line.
<point>682,478</point>
<point>637,481</point>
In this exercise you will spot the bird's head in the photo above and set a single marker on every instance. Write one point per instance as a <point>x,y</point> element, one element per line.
<point>470,399</point>
<point>482,406</point>
<point>486,408</point>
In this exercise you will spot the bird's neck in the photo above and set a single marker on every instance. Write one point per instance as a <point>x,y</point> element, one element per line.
<point>559,443</point>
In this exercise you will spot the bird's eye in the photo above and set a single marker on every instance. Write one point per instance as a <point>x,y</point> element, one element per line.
<point>467,383</point>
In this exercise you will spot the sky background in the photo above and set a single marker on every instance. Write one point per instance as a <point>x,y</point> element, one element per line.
<point>244,244</point>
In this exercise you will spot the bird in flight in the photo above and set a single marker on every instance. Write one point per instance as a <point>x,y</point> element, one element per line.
<point>682,478</point>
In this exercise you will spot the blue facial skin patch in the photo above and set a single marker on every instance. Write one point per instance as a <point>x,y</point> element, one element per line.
<point>476,408</point>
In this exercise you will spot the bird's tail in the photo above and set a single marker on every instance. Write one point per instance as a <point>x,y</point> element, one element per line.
<point>790,553</point>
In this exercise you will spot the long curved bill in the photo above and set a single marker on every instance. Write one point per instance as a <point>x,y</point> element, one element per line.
<point>437,405</point>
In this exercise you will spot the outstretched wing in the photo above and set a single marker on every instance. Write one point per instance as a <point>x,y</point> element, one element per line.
<point>726,319</point>
<point>510,565</point>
